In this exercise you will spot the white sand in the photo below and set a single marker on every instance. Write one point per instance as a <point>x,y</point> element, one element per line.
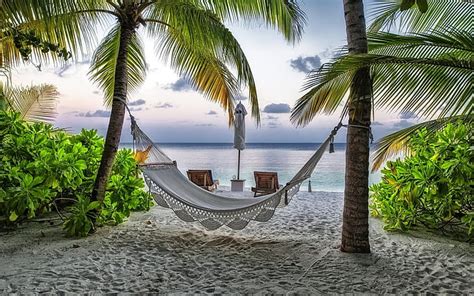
<point>296,253</point>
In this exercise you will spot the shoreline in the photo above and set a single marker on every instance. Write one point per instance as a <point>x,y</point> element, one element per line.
<point>295,252</point>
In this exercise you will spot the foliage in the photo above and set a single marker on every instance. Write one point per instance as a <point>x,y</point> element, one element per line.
<point>24,36</point>
<point>421,4</point>
<point>40,165</point>
<point>124,192</point>
<point>427,70</point>
<point>82,217</point>
<point>394,143</point>
<point>191,34</point>
<point>394,15</point>
<point>434,186</point>
<point>34,103</point>
<point>26,41</point>
<point>423,73</point>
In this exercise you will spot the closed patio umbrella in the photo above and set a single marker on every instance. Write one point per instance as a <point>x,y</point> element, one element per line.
<point>239,131</point>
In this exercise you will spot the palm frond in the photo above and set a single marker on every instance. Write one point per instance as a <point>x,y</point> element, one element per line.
<point>396,143</point>
<point>35,103</point>
<point>69,23</point>
<point>203,29</point>
<point>200,68</point>
<point>451,42</point>
<point>326,90</point>
<point>104,61</point>
<point>429,75</point>
<point>387,15</point>
<point>427,87</point>
<point>284,15</point>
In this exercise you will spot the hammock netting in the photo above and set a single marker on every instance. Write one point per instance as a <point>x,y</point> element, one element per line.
<point>171,189</point>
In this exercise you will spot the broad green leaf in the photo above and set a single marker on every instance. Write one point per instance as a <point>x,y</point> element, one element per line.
<point>13,216</point>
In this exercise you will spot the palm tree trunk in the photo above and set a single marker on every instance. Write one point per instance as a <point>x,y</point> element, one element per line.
<point>117,115</point>
<point>355,227</point>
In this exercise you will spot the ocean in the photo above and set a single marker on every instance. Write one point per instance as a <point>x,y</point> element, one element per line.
<point>284,158</point>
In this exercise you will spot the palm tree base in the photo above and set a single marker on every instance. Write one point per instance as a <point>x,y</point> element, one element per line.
<point>358,248</point>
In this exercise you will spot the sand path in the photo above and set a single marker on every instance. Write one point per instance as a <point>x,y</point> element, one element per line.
<point>296,253</point>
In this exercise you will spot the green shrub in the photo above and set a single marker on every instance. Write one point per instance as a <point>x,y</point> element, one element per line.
<point>434,186</point>
<point>82,217</point>
<point>124,193</point>
<point>39,165</point>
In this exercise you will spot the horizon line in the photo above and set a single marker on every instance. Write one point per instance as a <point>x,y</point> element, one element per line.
<point>233,143</point>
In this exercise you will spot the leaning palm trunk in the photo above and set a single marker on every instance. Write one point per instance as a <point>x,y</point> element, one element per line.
<point>117,115</point>
<point>355,230</point>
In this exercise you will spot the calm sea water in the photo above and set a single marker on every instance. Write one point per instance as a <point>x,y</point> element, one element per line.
<point>286,159</point>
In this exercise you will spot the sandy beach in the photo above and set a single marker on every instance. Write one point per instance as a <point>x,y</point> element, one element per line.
<point>294,253</point>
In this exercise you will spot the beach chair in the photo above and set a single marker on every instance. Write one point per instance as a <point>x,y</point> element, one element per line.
<point>265,183</point>
<point>203,179</point>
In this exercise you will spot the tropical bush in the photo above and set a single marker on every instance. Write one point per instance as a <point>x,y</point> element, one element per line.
<point>433,186</point>
<point>41,168</point>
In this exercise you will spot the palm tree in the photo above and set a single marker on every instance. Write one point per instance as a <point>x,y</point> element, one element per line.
<point>429,73</point>
<point>190,36</point>
<point>445,29</point>
<point>355,225</point>
<point>323,96</point>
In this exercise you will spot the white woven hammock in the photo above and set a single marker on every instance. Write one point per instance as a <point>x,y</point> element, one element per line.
<point>189,202</point>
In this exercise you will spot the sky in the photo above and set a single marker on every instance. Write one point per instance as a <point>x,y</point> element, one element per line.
<point>169,110</point>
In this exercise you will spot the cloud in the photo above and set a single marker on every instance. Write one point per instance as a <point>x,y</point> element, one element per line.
<point>164,106</point>
<point>277,108</point>
<point>403,124</point>
<point>407,115</point>
<point>179,85</point>
<point>204,124</point>
<point>137,102</point>
<point>241,97</point>
<point>96,92</point>
<point>61,71</point>
<point>96,113</point>
<point>376,123</point>
<point>326,54</point>
<point>211,112</point>
<point>136,109</point>
<point>306,64</point>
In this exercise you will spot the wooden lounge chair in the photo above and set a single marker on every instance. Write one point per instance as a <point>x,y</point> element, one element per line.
<point>265,183</point>
<point>203,179</point>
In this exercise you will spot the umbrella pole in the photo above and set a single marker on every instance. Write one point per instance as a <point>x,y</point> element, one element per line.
<point>238,167</point>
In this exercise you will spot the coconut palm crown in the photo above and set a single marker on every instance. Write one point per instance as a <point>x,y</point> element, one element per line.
<point>190,36</point>
<point>427,71</point>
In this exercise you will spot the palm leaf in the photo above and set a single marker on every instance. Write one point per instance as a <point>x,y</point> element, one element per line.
<point>69,23</point>
<point>104,62</point>
<point>326,90</point>
<point>36,103</point>
<point>203,30</point>
<point>423,73</point>
<point>284,15</point>
<point>451,42</point>
<point>396,143</point>
<point>387,15</point>
<point>200,68</point>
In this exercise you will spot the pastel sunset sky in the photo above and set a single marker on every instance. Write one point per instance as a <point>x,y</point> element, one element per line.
<point>170,111</point>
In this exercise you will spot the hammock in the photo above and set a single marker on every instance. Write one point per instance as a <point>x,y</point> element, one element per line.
<point>171,189</point>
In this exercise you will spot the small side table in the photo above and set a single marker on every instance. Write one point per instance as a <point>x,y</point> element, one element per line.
<point>237,185</point>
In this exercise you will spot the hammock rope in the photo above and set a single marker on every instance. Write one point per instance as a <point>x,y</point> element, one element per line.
<point>171,189</point>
